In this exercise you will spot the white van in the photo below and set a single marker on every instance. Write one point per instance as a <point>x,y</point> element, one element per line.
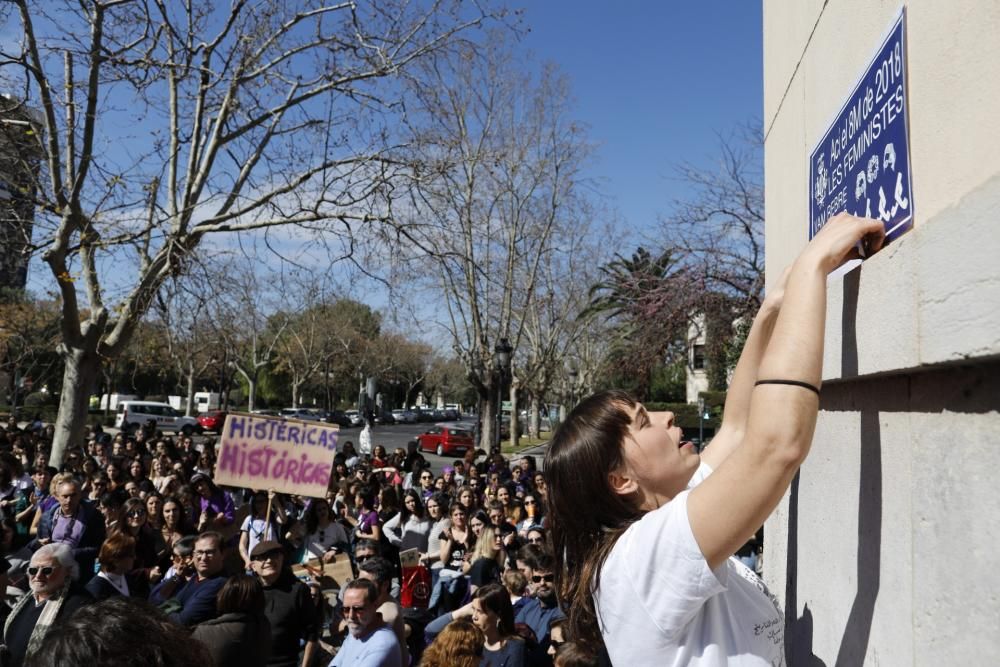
<point>132,415</point>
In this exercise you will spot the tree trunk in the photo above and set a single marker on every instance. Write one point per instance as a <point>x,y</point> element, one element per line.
<point>190,388</point>
<point>534,423</point>
<point>488,421</point>
<point>251,391</point>
<point>515,428</point>
<point>82,368</point>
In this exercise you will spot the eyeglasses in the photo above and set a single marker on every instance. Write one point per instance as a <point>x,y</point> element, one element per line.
<point>135,514</point>
<point>347,611</point>
<point>267,555</point>
<point>539,578</point>
<point>205,554</point>
<point>426,477</point>
<point>44,571</point>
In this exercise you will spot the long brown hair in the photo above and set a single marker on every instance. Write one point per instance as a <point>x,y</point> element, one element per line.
<point>586,517</point>
<point>460,644</point>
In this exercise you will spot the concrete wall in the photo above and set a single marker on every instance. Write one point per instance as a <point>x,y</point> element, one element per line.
<point>884,550</point>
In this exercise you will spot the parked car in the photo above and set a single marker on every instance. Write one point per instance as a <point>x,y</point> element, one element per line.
<point>338,417</point>
<point>386,419</point>
<point>266,413</point>
<point>355,417</point>
<point>133,415</point>
<point>212,421</point>
<point>404,416</point>
<point>451,414</point>
<point>300,413</point>
<point>445,440</point>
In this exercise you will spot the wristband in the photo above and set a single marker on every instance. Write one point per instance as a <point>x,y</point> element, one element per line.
<point>793,383</point>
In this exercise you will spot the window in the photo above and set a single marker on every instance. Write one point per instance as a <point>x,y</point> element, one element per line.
<point>698,358</point>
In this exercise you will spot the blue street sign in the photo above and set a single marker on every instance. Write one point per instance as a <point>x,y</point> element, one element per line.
<point>862,164</point>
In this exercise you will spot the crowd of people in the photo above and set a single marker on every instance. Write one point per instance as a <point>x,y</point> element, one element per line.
<point>129,553</point>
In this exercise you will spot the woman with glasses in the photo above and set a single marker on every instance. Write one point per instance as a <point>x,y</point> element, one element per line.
<point>148,543</point>
<point>631,501</point>
<point>534,514</point>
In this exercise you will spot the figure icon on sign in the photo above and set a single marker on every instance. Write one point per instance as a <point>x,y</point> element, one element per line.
<point>860,186</point>
<point>889,160</point>
<point>872,168</point>
<point>902,202</point>
<point>822,179</point>
<point>882,213</point>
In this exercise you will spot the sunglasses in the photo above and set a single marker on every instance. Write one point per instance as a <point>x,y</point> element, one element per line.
<point>267,555</point>
<point>44,571</point>
<point>539,578</point>
<point>362,559</point>
<point>135,514</point>
<point>347,611</point>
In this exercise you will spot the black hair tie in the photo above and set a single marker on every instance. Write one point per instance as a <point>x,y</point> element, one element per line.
<point>794,383</point>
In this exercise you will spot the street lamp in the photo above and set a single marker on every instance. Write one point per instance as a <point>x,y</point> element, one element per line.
<point>501,361</point>
<point>702,416</point>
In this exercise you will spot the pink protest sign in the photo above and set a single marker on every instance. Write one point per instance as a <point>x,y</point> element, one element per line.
<point>290,456</point>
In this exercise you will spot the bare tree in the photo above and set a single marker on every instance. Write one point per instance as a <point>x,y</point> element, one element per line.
<point>497,160</point>
<point>165,123</point>
<point>719,226</point>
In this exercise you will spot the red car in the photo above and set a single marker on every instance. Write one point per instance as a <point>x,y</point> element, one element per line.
<point>212,421</point>
<point>445,440</point>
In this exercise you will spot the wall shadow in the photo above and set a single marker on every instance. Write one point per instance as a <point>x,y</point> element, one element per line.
<point>854,641</point>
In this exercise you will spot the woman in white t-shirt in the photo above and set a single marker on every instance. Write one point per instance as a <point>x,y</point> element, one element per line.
<point>258,527</point>
<point>648,527</point>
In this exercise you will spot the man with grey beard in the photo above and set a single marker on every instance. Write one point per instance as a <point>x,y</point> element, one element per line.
<point>54,597</point>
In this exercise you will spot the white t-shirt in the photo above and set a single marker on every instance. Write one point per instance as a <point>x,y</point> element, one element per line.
<point>660,604</point>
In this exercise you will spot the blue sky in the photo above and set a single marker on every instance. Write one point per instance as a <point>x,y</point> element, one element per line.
<point>656,82</point>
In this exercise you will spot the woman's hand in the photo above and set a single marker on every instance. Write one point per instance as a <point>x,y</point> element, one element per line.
<point>836,242</point>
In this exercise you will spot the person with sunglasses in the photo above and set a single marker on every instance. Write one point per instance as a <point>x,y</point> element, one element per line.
<point>148,542</point>
<point>543,609</point>
<point>369,642</point>
<point>289,607</point>
<point>54,597</point>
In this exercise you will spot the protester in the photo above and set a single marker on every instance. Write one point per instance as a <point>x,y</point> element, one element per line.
<point>460,644</point>
<point>379,571</point>
<point>646,528</point>
<point>239,635</point>
<point>54,596</point>
<point>491,612</point>
<point>73,522</point>
<point>117,559</point>
<point>193,601</point>
<point>370,643</point>
<point>289,607</point>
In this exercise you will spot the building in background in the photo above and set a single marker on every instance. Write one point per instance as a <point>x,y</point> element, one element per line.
<point>20,161</point>
<point>882,552</point>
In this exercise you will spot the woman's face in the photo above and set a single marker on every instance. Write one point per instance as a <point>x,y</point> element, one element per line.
<point>458,518</point>
<point>557,639</point>
<point>477,527</point>
<point>201,488</point>
<point>411,503</point>
<point>433,509</point>
<point>112,471</point>
<point>483,618</point>
<point>503,495</point>
<point>154,504</point>
<point>171,513</point>
<point>89,466</point>
<point>655,457</point>
<point>379,452</point>
<point>136,517</point>
<point>465,497</point>
<point>439,484</point>
<point>135,469</point>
